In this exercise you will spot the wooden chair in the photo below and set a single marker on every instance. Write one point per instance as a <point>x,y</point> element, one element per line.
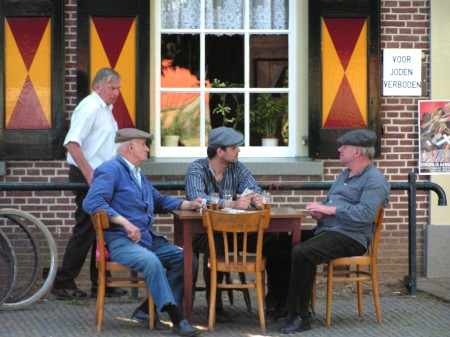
<point>369,260</point>
<point>100,222</point>
<point>236,259</point>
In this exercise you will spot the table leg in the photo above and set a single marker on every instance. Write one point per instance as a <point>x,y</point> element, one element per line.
<point>187,233</point>
<point>296,233</point>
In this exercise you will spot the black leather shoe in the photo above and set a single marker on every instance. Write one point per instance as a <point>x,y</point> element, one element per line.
<point>185,329</point>
<point>296,324</point>
<point>222,316</point>
<point>68,294</point>
<point>142,317</point>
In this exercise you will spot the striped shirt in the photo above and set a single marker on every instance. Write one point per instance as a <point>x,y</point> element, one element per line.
<point>200,180</point>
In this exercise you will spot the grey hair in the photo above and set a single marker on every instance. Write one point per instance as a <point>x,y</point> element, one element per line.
<point>121,146</point>
<point>105,75</point>
<point>368,152</point>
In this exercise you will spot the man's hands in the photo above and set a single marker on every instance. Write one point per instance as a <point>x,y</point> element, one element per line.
<point>194,204</point>
<point>317,211</point>
<point>244,202</point>
<point>133,232</point>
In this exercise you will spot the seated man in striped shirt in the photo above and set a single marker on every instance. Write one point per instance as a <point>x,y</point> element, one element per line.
<point>222,171</point>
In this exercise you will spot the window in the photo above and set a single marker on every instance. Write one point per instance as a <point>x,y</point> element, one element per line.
<point>225,63</point>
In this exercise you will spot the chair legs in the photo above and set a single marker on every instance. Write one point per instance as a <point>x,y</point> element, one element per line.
<point>151,312</point>
<point>376,297</point>
<point>212,302</point>
<point>260,295</point>
<point>100,306</point>
<point>359,287</point>
<point>329,295</point>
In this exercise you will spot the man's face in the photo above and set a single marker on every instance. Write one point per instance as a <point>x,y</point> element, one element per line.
<point>230,155</point>
<point>140,150</point>
<point>347,153</point>
<point>108,91</point>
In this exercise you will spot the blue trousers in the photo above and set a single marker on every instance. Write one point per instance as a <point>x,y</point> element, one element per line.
<point>162,266</point>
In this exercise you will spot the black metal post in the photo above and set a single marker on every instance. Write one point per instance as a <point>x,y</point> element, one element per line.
<point>411,280</point>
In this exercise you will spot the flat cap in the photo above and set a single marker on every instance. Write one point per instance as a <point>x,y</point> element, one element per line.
<point>359,137</point>
<point>224,136</point>
<point>123,135</point>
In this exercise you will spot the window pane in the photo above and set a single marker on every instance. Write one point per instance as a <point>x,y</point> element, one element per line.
<point>224,14</point>
<point>180,14</point>
<point>269,59</point>
<point>225,59</point>
<point>269,14</point>
<point>269,118</point>
<point>180,61</point>
<point>227,108</point>
<point>180,115</point>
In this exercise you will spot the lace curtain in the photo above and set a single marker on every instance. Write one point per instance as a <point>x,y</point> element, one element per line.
<point>224,14</point>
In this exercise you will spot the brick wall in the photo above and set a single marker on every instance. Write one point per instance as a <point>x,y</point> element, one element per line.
<point>404,24</point>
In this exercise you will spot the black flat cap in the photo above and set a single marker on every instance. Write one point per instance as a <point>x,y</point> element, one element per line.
<point>126,134</point>
<point>359,137</point>
<point>224,136</point>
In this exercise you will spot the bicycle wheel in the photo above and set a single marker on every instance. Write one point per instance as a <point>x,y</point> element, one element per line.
<point>8,266</point>
<point>35,252</point>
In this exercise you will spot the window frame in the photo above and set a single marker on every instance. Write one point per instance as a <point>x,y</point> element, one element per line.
<point>29,144</point>
<point>246,151</point>
<point>322,143</point>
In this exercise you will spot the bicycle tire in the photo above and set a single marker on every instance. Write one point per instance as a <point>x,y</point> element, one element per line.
<point>29,235</point>
<point>27,254</point>
<point>8,267</point>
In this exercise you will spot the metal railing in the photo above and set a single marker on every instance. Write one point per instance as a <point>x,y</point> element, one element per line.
<point>412,186</point>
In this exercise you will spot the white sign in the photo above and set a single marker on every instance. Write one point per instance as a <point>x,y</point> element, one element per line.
<point>402,72</point>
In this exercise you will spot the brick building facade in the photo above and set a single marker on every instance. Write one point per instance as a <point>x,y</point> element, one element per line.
<point>404,24</point>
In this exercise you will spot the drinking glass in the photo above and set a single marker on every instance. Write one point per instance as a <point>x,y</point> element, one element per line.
<point>267,199</point>
<point>227,198</point>
<point>214,201</point>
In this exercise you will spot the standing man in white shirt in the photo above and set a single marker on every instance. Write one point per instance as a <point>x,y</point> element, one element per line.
<point>89,142</point>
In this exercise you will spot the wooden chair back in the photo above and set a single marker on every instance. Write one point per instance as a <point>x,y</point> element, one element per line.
<point>100,222</point>
<point>235,230</point>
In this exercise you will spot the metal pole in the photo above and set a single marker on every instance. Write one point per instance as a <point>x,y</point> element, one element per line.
<point>411,280</point>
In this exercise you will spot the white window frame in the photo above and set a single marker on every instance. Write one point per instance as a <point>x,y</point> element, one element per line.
<point>246,151</point>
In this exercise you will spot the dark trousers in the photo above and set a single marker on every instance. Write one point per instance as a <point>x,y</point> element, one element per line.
<point>80,243</point>
<point>277,254</point>
<point>306,256</point>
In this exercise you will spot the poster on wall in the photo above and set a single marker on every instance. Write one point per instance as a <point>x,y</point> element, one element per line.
<point>434,137</point>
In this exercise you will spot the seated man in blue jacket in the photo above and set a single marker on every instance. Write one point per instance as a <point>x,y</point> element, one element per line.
<point>130,201</point>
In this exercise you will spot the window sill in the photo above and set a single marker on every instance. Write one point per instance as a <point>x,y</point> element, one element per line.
<point>258,166</point>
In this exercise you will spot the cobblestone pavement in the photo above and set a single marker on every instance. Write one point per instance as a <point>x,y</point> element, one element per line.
<point>422,315</point>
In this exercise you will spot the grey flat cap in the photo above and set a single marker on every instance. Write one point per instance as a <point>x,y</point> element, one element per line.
<point>224,136</point>
<point>126,134</point>
<point>359,137</point>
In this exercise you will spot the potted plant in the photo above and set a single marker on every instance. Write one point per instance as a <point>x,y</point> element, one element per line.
<point>266,116</point>
<point>170,136</point>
